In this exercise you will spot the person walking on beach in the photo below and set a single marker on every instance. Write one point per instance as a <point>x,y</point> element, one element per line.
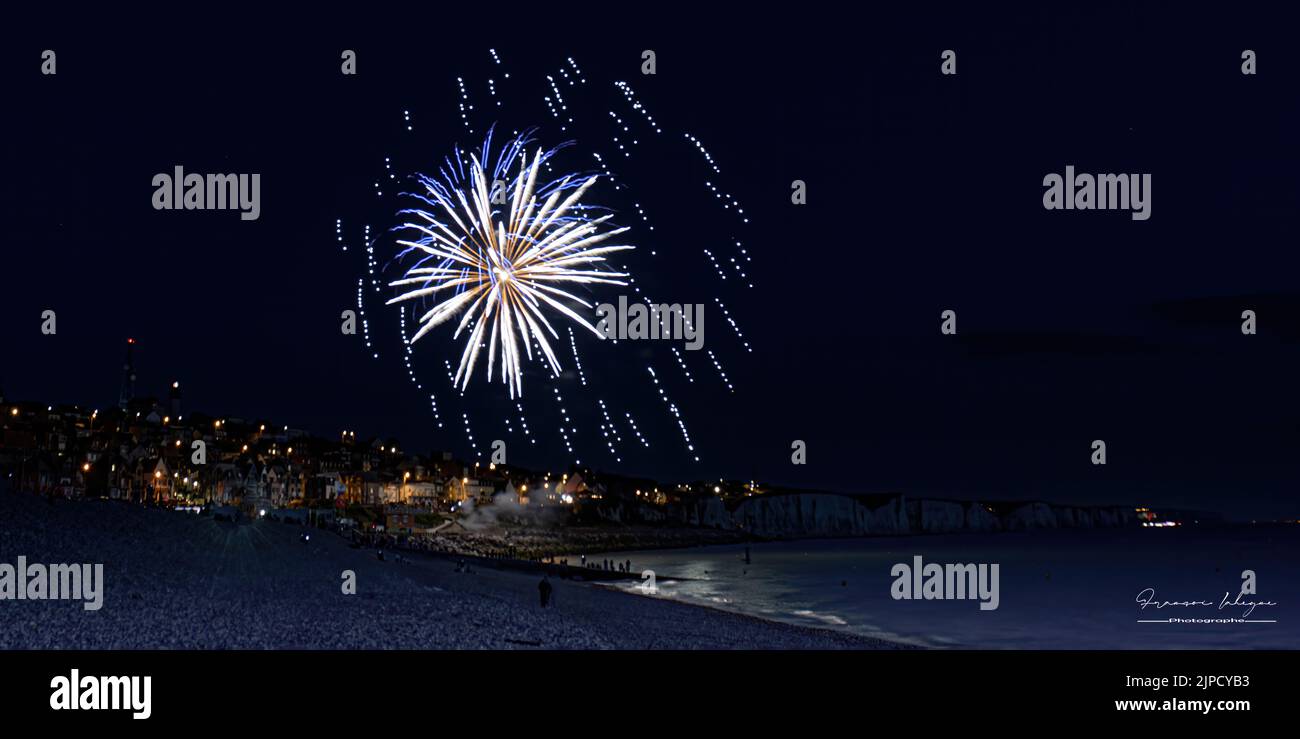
<point>544,589</point>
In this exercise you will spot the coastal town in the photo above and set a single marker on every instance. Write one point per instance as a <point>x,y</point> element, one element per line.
<point>154,451</point>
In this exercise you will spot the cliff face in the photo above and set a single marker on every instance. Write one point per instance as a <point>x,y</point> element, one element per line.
<point>816,514</point>
<point>829,515</point>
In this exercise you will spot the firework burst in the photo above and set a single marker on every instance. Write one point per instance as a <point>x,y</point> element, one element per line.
<point>504,251</point>
<point>506,267</point>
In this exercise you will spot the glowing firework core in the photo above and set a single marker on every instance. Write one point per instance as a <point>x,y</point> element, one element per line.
<point>504,271</point>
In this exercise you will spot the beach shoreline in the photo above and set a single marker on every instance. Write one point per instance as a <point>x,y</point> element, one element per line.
<point>177,580</point>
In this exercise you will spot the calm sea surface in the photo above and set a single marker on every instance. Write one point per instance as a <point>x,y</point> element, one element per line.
<point>1075,589</point>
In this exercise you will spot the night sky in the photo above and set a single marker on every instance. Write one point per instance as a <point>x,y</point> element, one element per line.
<point>924,194</point>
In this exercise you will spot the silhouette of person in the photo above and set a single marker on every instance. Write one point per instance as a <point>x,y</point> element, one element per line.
<point>544,590</point>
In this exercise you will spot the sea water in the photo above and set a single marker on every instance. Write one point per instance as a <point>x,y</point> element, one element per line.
<point>1063,589</point>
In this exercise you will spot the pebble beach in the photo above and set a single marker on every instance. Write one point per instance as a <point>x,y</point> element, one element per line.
<point>176,580</point>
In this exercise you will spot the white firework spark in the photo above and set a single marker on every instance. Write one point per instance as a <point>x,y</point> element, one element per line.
<point>504,267</point>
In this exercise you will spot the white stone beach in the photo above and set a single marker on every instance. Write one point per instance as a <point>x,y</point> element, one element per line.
<point>176,580</point>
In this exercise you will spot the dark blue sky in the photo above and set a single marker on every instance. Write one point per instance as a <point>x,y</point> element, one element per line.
<point>924,194</point>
